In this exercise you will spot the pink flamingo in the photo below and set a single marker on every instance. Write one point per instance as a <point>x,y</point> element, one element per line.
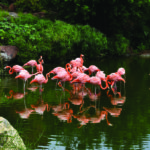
<point>57,70</point>
<point>63,76</point>
<point>82,78</point>
<point>114,77</point>
<point>15,68</point>
<point>39,67</point>
<point>31,63</point>
<point>96,81</point>
<point>121,71</point>
<point>101,75</point>
<point>25,75</point>
<point>80,59</point>
<point>92,69</point>
<point>40,79</point>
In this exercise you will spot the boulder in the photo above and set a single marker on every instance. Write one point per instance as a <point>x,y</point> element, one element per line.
<point>7,53</point>
<point>9,137</point>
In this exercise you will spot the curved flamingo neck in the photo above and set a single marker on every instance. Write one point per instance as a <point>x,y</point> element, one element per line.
<point>11,71</point>
<point>81,59</point>
<point>105,86</point>
<point>47,75</point>
<point>69,73</point>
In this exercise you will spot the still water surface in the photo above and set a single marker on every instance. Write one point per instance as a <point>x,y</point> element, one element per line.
<point>65,119</point>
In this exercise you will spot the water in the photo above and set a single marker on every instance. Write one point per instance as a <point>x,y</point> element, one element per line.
<point>74,127</point>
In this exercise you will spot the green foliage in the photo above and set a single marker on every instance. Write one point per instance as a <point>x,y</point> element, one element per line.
<point>53,40</point>
<point>117,45</point>
<point>28,5</point>
<point>3,14</point>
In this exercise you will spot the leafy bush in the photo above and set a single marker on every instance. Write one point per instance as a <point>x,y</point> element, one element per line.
<point>53,40</point>
<point>117,45</point>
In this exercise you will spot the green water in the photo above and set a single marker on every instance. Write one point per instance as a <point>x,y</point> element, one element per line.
<point>81,125</point>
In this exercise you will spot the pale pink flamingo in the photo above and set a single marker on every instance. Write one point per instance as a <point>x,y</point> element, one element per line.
<point>121,71</point>
<point>25,75</point>
<point>40,79</point>
<point>57,70</point>
<point>101,75</point>
<point>97,81</point>
<point>82,78</point>
<point>78,62</point>
<point>63,76</point>
<point>31,63</point>
<point>114,77</point>
<point>80,59</point>
<point>39,67</point>
<point>15,68</point>
<point>92,69</point>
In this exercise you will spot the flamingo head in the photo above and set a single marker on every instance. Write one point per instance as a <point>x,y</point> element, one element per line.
<point>6,67</point>
<point>121,71</point>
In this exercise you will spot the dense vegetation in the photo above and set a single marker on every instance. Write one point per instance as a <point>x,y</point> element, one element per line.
<point>95,28</point>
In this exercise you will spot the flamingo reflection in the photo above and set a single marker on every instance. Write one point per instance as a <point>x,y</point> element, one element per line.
<point>65,114</point>
<point>15,95</point>
<point>25,113</point>
<point>40,107</point>
<point>115,112</point>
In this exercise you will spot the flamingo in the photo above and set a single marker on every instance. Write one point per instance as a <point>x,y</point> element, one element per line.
<point>57,70</point>
<point>101,75</point>
<point>39,67</point>
<point>80,59</point>
<point>121,71</point>
<point>31,63</point>
<point>96,81</point>
<point>92,69</point>
<point>40,79</point>
<point>78,62</point>
<point>24,75</point>
<point>114,77</point>
<point>63,76</point>
<point>15,68</point>
<point>82,78</point>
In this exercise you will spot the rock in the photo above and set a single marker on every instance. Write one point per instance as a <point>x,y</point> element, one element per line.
<point>7,53</point>
<point>13,14</point>
<point>9,137</point>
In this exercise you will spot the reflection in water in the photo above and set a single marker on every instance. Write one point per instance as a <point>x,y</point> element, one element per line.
<point>40,107</point>
<point>16,95</point>
<point>25,113</point>
<point>83,113</point>
<point>65,114</point>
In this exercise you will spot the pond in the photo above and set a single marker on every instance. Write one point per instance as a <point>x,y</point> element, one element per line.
<point>68,118</point>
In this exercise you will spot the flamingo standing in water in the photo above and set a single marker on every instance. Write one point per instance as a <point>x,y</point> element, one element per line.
<point>96,81</point>
<point>40,79</point>
<point>92,69</point>
<point>15,68</point>
<point>24,75</point>
<point>31,63</point>
<point>39,67</point>
<point>63,76</point>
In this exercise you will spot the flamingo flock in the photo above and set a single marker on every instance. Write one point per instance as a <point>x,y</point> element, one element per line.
<point>78,76</point>
<point>74,72</point>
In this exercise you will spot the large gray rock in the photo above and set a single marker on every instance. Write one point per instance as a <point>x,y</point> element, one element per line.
<point>9,137</point>
<point>7,53</point>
